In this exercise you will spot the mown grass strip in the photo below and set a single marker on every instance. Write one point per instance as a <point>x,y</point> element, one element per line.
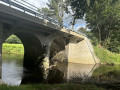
<point>13,48</point>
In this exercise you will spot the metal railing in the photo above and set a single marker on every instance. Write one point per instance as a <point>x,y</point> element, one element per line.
<point>31,9</point>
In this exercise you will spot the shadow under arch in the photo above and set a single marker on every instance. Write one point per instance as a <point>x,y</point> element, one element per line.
<point>32,49</point>
<point>57,45</point>
<point>57,58</point>
<point>33,56</point>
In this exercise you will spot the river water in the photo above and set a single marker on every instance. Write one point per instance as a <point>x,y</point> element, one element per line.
<point>12,72</point>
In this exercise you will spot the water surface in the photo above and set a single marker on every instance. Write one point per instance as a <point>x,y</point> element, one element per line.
<point>12,72</point>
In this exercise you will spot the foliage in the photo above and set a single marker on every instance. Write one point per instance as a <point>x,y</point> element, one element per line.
<point>13,39</point>
<point>13,48</point>
<point>56,9</point>
<point>82,30</point>
<point>103,19</point>
<point>79,8</point>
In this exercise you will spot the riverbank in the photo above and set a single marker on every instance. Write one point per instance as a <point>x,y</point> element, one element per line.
<point>106,56</point>
<point>13,48</point>
<point>52,87</point>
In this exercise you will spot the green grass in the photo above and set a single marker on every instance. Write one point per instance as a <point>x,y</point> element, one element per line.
<point>107,73</point>
<point>13,48</point>
<point>106,56</point>
<point>52,87</point>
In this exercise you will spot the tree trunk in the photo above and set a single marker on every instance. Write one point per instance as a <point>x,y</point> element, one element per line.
<point>99,34</point>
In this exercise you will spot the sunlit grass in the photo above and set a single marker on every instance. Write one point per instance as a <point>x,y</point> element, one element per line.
<point>106,56</point>
<point>13,48</point>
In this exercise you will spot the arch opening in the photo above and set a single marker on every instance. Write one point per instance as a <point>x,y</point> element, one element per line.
<point>33,49</point>
<point>32,58</point>
<point>12,60</point>
<point>27,60</point>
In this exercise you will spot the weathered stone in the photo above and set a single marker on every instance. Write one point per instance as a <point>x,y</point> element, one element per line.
<point>1,82</point>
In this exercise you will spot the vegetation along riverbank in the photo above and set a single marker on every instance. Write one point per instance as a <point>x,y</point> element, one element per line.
<point>52,87</point>
<point>13,48</point>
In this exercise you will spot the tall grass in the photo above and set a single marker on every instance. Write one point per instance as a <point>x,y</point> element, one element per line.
<point>13,48</point>
<point>106,56</point>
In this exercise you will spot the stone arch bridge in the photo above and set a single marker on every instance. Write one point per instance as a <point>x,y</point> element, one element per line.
<point>40,36</point>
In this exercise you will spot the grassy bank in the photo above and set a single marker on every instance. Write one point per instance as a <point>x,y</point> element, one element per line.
<point>52,87</point>
<point>13,48</point>
<point>106,74</point>
<point>106,56</point>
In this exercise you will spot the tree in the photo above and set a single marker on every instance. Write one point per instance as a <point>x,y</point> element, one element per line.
<point>103,19</point>
<point>56,10</point>
<point>13,39</point>
<point>82,30</point>
<point>79,8</point>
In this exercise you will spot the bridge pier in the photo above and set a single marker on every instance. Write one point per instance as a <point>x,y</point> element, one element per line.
<point>0,60</point>
<point>81,52</point>
<point>1,41</point>
<point>46,62</point>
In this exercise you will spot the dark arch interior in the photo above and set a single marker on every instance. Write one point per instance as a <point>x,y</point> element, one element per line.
<point>32,47</point>
<point>56,46</point>
<point>57,50</point>
<point>32,58</point>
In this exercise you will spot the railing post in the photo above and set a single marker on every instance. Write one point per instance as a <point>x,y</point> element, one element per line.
<point>9,3</point>
<point>1,40</point>
<point>35,14</point>
<point>24,9</point>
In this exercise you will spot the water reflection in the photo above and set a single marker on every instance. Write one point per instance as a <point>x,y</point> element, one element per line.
<point>76,71</point>
<point>12,71</point>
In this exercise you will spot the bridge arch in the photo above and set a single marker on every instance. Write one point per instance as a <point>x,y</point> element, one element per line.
<point>57,46</point>
<point>32,48</point>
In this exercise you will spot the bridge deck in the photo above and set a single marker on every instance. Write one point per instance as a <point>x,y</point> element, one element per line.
<point>15,17</point>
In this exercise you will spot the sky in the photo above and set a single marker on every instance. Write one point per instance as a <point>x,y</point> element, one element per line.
<point>67,19</point>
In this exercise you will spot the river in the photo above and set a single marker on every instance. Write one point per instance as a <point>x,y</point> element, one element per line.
<point>12,72</point>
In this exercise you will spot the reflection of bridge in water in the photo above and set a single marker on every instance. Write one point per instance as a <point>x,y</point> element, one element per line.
<point>77,71</point>
<point>14,75</point>
<point>41,36</point>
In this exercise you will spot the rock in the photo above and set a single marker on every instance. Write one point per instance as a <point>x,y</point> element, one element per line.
<point>1,82</point>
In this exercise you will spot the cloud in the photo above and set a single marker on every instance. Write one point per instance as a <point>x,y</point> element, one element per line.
<point>68,18</point>
<point>37,3</point>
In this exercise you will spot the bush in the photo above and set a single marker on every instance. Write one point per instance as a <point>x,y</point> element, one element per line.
<point>13,40</point>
